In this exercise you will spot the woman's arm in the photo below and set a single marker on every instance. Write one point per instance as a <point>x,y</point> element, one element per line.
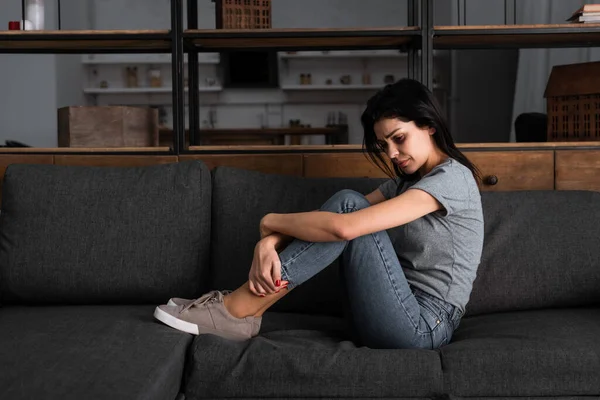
<point>314,226</point>
<point>397,211</point>
<point>323,226</point>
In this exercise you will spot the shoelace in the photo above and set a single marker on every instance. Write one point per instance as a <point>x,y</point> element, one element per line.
<point>209,297</point>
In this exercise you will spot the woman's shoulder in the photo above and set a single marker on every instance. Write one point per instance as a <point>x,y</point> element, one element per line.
<point>455,181</point>
<point>453,170</point>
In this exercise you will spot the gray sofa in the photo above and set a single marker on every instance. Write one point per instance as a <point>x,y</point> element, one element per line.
<point>86,253</point>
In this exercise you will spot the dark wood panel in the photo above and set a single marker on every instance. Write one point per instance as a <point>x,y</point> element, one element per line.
<point>514,170</point>
<point>340,165</point>
<point>302,38</point>
<point>7,159</point>
<point>578,170</point>
<point>84,40</point>
<point>90,150</point>
<point>113,161</point>
<point>516,36</point>
<point>284,164</point>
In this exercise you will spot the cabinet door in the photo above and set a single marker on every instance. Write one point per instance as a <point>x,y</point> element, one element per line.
<point>578,170</point>
<point>349,165</point>
<point>514,170</point>
<point>283,164</point>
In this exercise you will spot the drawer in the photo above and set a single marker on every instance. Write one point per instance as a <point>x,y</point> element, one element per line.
<point>113,161</point>
<point>514,170</point>
<point>578,170</point>
<point>349,165</point>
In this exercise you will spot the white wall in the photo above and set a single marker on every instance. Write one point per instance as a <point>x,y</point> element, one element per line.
<point>28,86</point>
<point>69,71</point>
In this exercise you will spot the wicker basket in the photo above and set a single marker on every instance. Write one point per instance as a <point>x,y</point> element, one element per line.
<point>243,14</point>
<point>573,103</point>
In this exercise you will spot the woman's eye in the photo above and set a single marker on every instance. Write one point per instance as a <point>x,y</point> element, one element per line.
<point>398,139</point>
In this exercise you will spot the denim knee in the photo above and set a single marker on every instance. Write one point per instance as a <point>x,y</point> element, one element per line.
<point>345,199</point>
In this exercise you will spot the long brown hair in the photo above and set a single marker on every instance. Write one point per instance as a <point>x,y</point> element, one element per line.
<point>409,100</point>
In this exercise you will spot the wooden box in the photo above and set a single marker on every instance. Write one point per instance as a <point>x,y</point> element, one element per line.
<point>573,102</point>
<point>107,126</point>
<point>243,14</point>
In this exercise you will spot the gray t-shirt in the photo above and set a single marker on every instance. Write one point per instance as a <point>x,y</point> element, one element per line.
<point>440,252</point>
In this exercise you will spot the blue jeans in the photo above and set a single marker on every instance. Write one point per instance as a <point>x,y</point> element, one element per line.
<point>386,312</point>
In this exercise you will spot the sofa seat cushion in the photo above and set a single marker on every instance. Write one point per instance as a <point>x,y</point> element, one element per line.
<point>529,353</point>
<point>308,357</point>
<point>89,352</point>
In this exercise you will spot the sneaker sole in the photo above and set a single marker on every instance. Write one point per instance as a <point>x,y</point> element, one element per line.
<point>188,327</point>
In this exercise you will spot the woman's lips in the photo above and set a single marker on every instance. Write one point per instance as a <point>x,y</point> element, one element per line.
<point>402,164</point>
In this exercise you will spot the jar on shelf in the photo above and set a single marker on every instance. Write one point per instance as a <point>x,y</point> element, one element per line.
<point>131,77</point>
<point>155,77</point>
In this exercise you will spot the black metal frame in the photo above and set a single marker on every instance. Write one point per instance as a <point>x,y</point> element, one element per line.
<point>177,65</point>
<point>193,78</point>
<point>427,43</point>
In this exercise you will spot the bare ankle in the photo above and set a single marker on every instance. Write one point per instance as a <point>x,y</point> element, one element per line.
<point>233,310</point>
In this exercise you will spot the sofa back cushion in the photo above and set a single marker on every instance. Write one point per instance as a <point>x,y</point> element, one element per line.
<point>541,249</point>
<point>89,235</point>
<point>240,199</point>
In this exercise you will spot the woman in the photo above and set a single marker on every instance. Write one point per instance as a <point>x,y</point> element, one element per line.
<point>409,250</point>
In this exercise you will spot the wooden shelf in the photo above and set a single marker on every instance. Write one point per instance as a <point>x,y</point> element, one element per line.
<point>262,131</point>
<point>144,60</point>
<point>84,150</point>
<point>53,42</point>
<point>345,54</point>
<point>284,149</point>
<point>146,90</point>
<point>332,87</point>
<point>500,146</point>
<point>277,148</point>
<point>298,39</point>
<point>516,36</point>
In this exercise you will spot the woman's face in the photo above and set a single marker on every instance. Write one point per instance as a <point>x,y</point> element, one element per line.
<point>411,148</point>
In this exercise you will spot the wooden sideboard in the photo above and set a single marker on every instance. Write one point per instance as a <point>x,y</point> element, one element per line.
<point>504,167</point>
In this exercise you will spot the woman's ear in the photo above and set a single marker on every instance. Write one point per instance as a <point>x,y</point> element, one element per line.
<point>431,131</point>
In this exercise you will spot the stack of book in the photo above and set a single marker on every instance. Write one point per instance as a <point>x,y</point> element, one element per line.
<point>589,13</point>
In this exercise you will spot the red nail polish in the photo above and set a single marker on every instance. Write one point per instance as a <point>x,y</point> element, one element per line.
<point>277,282</point>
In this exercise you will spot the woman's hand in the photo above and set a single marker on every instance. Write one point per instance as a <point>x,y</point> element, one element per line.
<point>266,270</point>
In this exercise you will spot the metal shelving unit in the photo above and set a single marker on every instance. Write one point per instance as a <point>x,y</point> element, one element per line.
<point>411,39</point>
<point>421,36</point>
